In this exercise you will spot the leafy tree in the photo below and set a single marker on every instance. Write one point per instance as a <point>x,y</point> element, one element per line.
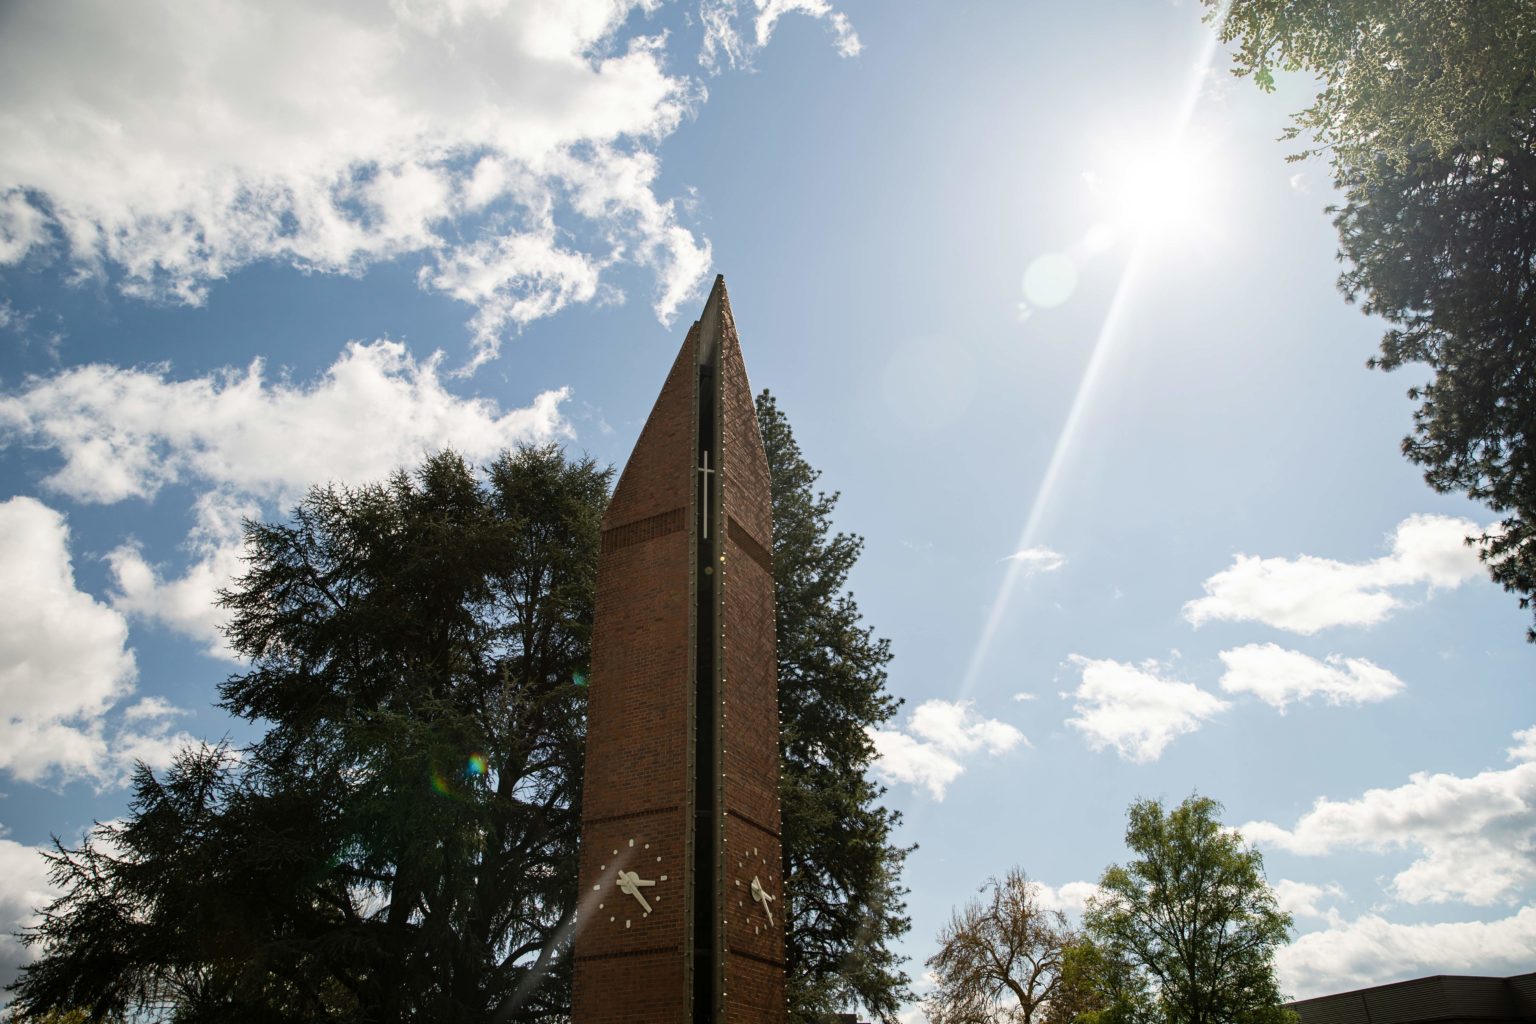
<point>1427,111</point>
<point>844,901</point>
<point>999,958</point>
<point>401,843</point>
<point>1097,987</point>
<point>1195,916</point>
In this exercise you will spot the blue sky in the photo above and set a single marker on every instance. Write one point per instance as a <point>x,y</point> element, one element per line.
<point>1036,289</point>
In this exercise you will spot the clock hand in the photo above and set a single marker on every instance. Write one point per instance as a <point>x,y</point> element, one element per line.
<point>628,884</point>
<point>760,895</point>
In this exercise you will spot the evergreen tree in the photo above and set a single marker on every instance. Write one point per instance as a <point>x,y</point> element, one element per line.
<point>401,843</point>
<point>844,899</point>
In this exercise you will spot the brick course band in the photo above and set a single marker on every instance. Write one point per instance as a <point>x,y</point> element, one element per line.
<point>780,964</point>
<point>642,530</point>
<point>749,545</point>
<point>631,814</point>
<point>625,954</point>
<point>764,829</point>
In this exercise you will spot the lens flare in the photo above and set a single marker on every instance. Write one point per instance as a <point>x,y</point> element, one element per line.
<point>476,765</point>
<point>1172,171</point>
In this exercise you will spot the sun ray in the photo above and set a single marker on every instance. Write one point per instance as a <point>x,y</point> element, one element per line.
<point>1104,345</point>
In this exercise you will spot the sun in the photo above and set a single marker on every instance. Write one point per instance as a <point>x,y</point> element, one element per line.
<point>1168,191</point>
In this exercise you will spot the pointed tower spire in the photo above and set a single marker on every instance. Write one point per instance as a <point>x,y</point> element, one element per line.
<point>680,877</point>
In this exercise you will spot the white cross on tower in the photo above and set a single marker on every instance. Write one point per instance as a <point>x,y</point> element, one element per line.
<point>707,472</point>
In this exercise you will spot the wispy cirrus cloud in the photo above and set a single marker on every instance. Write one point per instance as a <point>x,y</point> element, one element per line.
<point>930,751</point>
<point>1136,709</point>
<point>1308,594</point>
<point>1278,677</point>
<point>1037,560</point>
<point>729,44</point>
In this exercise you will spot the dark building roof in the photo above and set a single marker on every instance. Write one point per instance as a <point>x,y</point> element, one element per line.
<point>1442,999</point>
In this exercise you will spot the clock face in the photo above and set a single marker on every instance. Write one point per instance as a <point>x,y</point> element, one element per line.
<point>756,892</point>
<point>631,883</point>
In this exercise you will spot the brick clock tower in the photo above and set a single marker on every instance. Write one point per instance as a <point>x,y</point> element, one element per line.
<point>680,917</point>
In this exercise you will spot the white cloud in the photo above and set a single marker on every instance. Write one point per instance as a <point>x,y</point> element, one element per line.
<point>1136,709</point>
<point>1475,837</point>
<point>1306,594</point>
<point>1525,745</point>
<point>1070,897</point>
<point>21,227</point>
<point>186,604</point>
<point>1278,676</point>
<point>24,889</point>
<point>245,440</point>
<point>1303,899</point>
<point>1372,951</point>
<point>938,734</point>
<point>128,432</point>
<point>1024,696</point>
<point>729,45</point>
<point>1033,561</point>
<point>330,136</point>
<point>64,661</point>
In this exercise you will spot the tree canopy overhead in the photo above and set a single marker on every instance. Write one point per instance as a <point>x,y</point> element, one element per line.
<point>1427,112</point>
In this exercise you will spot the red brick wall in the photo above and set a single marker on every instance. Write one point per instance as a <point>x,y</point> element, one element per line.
<point>754,976</point>
<point>631,966</point>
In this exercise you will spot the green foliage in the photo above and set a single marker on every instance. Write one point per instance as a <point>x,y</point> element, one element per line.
<point>401,843</point>
<point>1194,916</point>
<point>1098,987</point>
<point>842,873</point>
<point>1427,111</point>
<point>1000,958</point>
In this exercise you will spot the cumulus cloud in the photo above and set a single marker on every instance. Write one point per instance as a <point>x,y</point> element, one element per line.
<point>1525,745</point>
<point>176,144</point>
<point>1069,898</point>
<point>1136,709</point>
<point>128,432</point>
<point>1033,561</point>
<point>1371,950</point>
<point>1303,899</point>
<point>245,440</point>
<point>186,603</point>
<point>1475,838</point>
<point>727,43</point>
<point>24,888</point>
<point>937,736</point>
<point>1278,676</point>
<point>1306,594</point>
<point>64,662</point>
